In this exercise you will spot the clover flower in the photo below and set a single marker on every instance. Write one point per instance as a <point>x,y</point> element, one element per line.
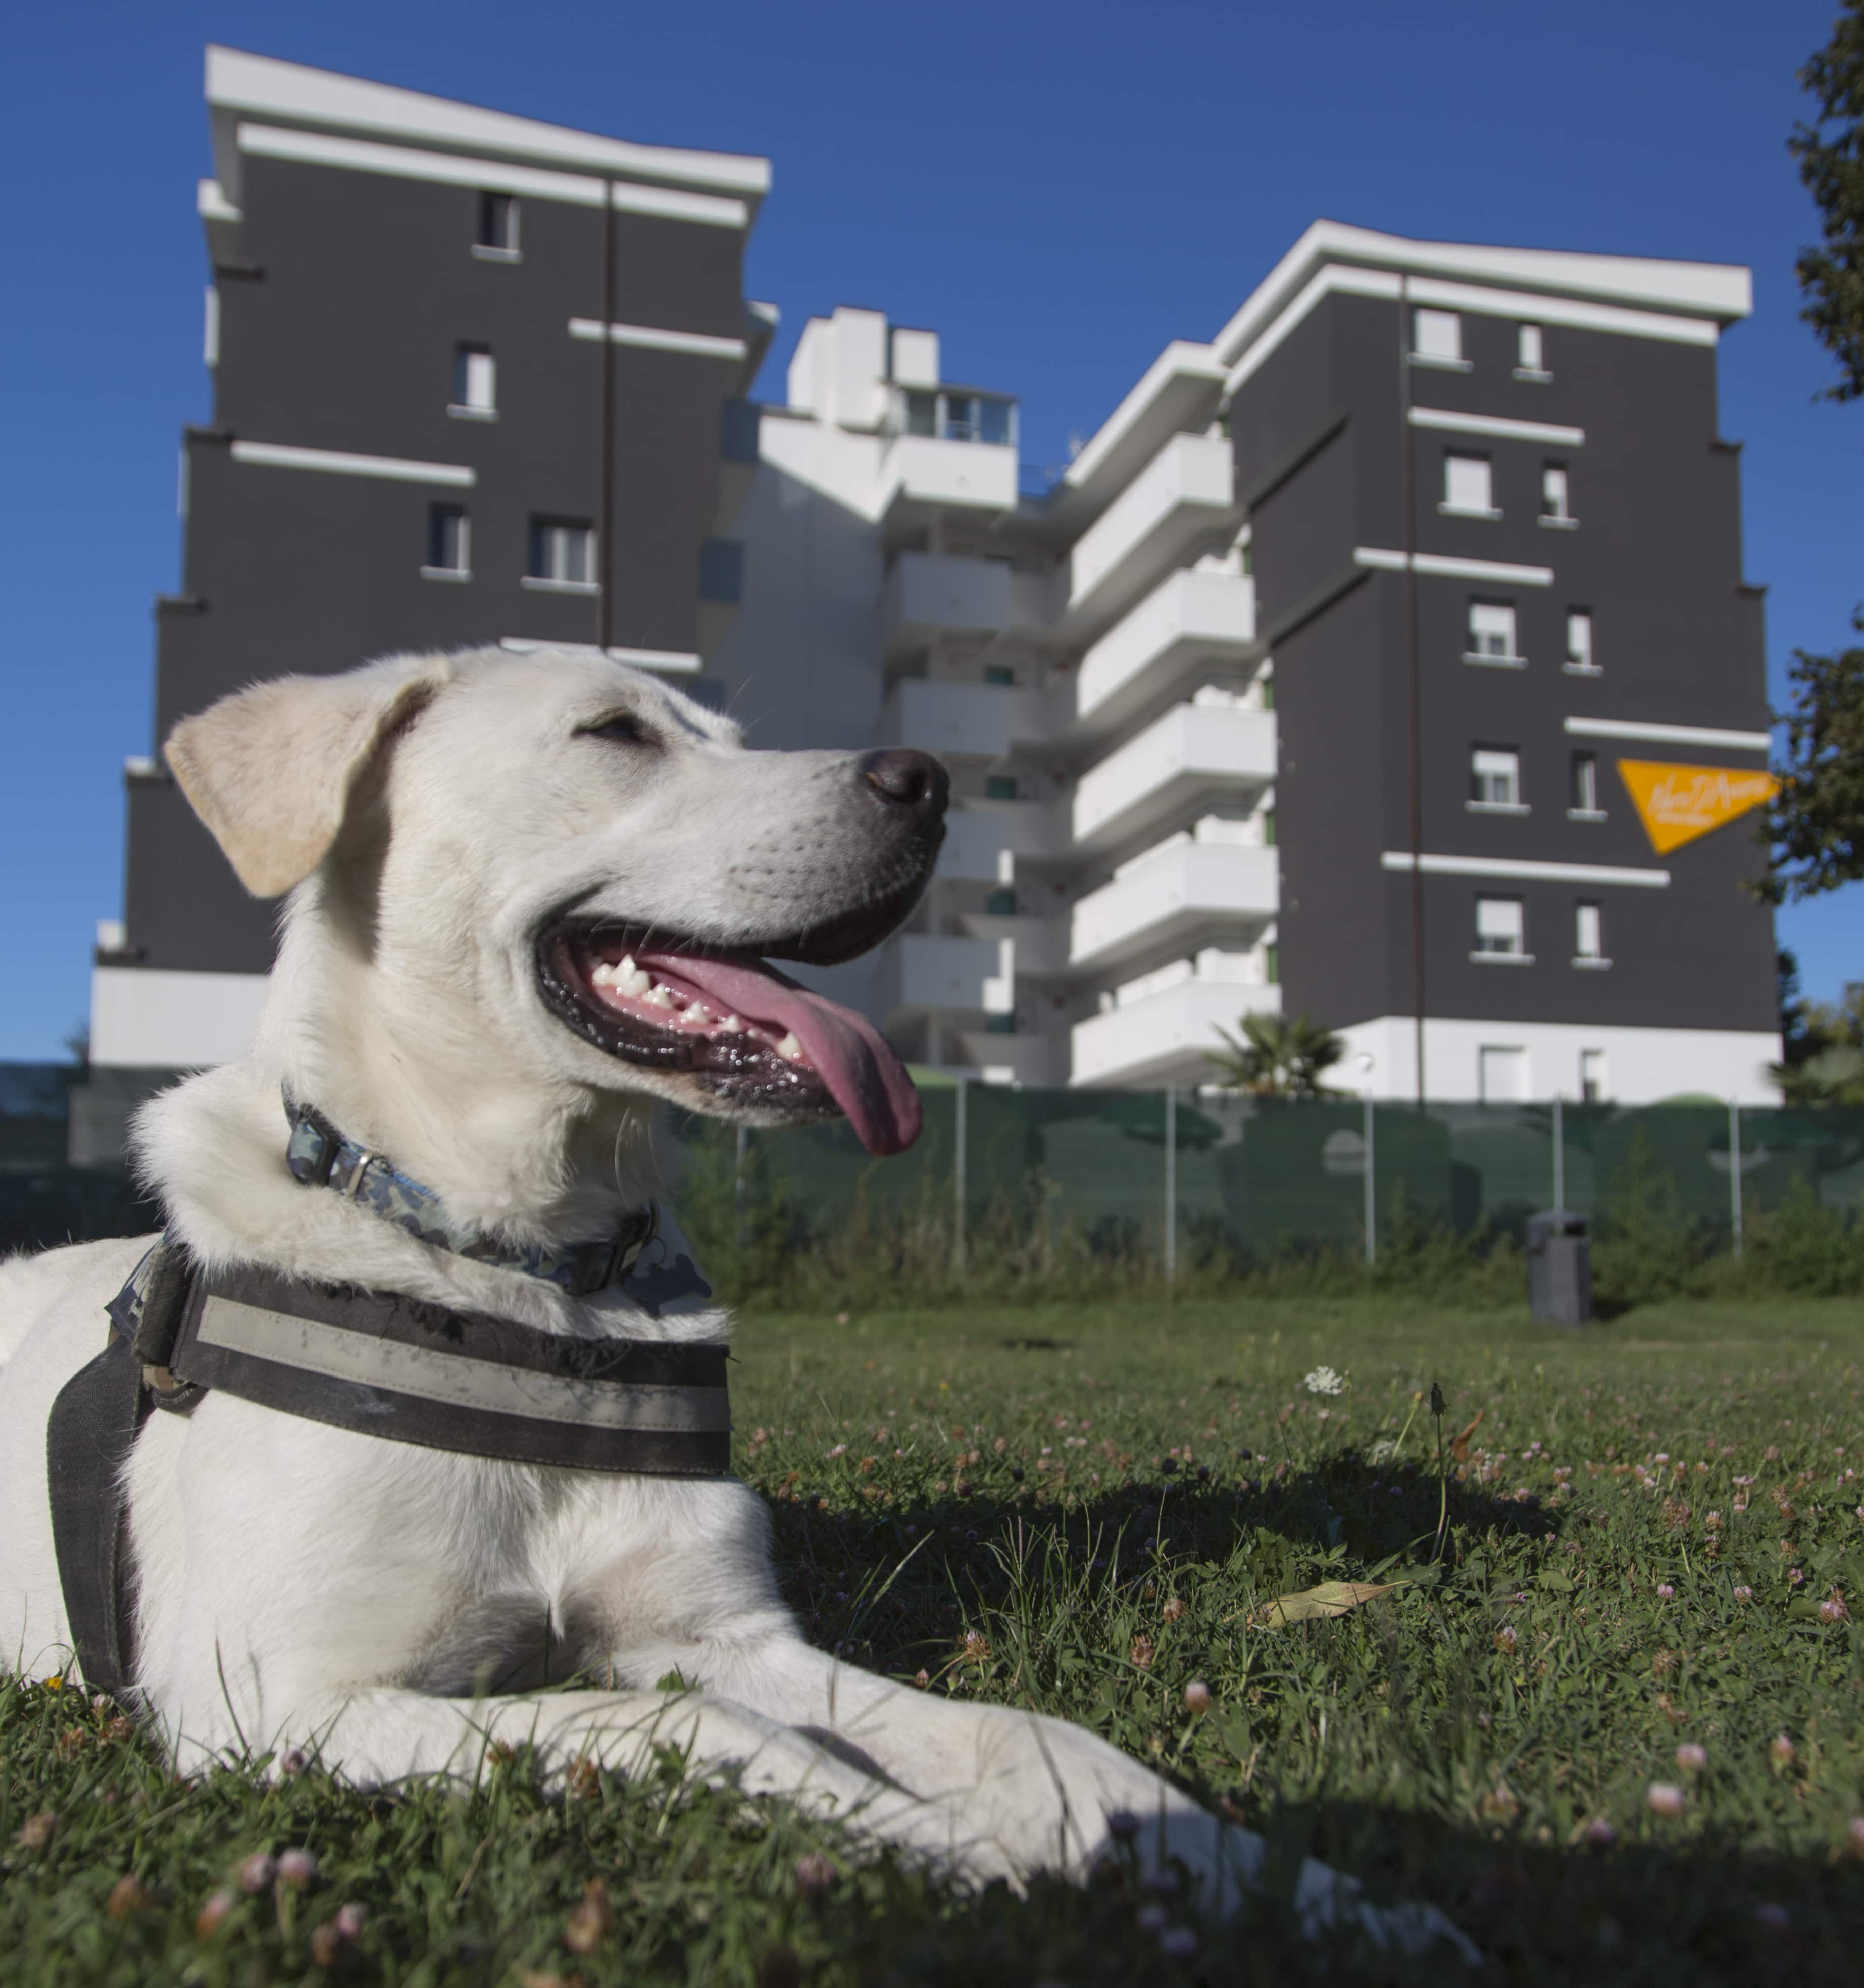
<point>1691,1758</point>
<point>1781,1750</point>
<point>1664,1798</point>
<point>1197,1697</point>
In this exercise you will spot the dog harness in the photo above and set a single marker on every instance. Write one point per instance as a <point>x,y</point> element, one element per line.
<point>378,1364</point>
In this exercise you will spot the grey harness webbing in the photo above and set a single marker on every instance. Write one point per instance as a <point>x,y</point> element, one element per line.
<point>376,1363</point>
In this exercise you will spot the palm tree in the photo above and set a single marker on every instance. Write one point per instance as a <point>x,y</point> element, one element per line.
<point>1280,1056</point>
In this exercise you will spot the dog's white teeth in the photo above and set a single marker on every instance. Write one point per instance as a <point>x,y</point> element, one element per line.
<point>789,1048</point>
<point>731,1026</point>
<point>657,997</point>
<point>604,975</point>
<point>699,1013</point>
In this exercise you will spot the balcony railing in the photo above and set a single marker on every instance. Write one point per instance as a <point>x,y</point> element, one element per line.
<point>1193,751</point>
<point>1166,1038</point>
<point>1182,891</point>
<point>1188,621</point>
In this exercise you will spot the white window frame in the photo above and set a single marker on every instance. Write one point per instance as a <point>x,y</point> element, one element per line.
<point>1594,1080</point>
<point>1589,933</point>
<point>1580,659</point>
<point>553,546</point>
<point>1557,497</point>
<point>1582,789</point>
<point>1465,477</point>
<point>475,384</point>
<point>1501,932</point>
<point>1495,781</point>
<point>1491,622</point>
<point>438,517</point>
<point>1436,340</point>
<point>1531,352</point>
<point>507,251</point>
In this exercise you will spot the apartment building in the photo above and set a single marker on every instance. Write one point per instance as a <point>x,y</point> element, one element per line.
<point>475,378</point>
<point>1387,659</point>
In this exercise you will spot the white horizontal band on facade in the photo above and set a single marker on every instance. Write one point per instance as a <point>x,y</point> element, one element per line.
<point>1523,871</point>
<point>279,455</point>
<point>669,662</point>
<point>1667,734</point>
<point>212,204</point>
<point>704,344</point>
<point>1335,277</point>
<point>1536,310</point>
<point>364,155</point>
<point>1499,571</point>
<point>1499,425</point>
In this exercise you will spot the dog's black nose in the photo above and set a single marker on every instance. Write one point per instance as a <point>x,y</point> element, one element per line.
<point>907,779</point>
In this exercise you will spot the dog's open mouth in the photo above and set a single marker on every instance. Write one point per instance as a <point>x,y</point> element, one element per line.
<point>749,1035</point>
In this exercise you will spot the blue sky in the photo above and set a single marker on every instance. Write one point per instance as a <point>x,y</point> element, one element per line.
<point>1059,188</point>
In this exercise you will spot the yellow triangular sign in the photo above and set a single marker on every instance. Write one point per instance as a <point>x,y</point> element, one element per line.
<point>1678,803</point>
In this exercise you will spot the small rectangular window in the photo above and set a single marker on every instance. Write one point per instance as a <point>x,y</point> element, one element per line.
<point>498,224</point>
<point>1271,964</point>
<point>1592,1088</point>
<point>1554,508</point>
<point>563,554</point>
<point>1589,933</point>
<point>1467,486</point>
<point>922,413</point>
<point>1000,903</point>
<point>1491,631</point>
<point>996,422</point>
<point>1000,674</point>
<point>1530,353</point>
<point>1495,777</point>
<point>449,541</point>
<point>1500,928</point>
<point>1000,786</point>
<point>1579,657</point>
<point>475,380</point>
<point>961,417</point>
<point>1584,784</point>
<point>1437,335</point>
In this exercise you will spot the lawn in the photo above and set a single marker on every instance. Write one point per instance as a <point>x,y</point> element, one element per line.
<point>1087,1511</point>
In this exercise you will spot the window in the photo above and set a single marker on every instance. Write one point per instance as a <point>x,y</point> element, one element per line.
<point>497,235</point>
<point>474,383</point>
<point>1271,965</point>
<point>1554,509</point>
<point>998,673</point>
<point>1437,338</point>
<point>1000,903</point>
<point>1585,785</point>
<point>449,543</point>
<point>1000,786</point>
<point>562,555</point>
<point>1491,633</point>
<point>1268,828</point>
<point>1500,929</point>
<point>1579,644</point>
<point>1466,486</point>
<point>1502,1074</point>
<point>1592,1089</point>
<point>953,416</point>
<point>1529,356</point>
<point>1588,937</point>
<point>1495,778</point>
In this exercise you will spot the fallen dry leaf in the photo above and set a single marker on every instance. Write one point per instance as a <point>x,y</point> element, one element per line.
<point>1459,1447</point>
<point>1331,1597</point>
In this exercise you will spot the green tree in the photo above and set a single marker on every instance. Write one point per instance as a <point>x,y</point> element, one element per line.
<point>1815,822</point>
<point>1831,154</point>
<point>1823,1062</point>
<point>1280,1056</point>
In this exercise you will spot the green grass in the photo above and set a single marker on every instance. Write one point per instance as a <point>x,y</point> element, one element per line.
<point>1000,1475</point>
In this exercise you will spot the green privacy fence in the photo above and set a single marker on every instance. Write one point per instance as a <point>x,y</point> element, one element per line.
<point>1171,1172</point>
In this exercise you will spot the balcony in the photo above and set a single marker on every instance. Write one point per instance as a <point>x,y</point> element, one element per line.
<point>1021,1059</point>
<point>1182,891</point>
<point>924,971</point>
<point>1165,1038</point>
<point>957,720</point>
<point>1183,497</point>
<point>932,593</point>
<point>1193,751</point>
<point>1189,622</point>
<point>921,475</point>
<point>1041,944</point>
<point>982,843</point>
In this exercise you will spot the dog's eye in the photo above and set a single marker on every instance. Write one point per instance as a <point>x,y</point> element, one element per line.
<point>621,730</point>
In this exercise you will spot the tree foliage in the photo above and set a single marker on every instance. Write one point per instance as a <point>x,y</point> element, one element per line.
<point>1823,1058</point>
<point>1815,822</point>
<point>1280,1056</point>
<point>1831,154</point>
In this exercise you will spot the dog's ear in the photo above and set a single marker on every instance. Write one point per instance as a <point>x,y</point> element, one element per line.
<point>270,769</point>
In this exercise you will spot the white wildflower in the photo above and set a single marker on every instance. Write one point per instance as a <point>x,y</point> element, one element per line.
<point>1325,1381</point>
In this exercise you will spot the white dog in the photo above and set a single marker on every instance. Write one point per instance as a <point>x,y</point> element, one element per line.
<point>528,898</point>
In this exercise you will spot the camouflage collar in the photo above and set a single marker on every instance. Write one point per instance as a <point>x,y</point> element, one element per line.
<point>319,1155</point>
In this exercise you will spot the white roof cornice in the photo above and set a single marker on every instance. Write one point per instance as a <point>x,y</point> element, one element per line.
<point>1717,291</point>
<point>241,86</point>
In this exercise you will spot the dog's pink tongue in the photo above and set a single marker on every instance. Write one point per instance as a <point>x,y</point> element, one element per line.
<point>854,1059</point>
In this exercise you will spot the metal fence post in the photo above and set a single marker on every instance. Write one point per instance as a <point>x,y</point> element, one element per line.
<point>1372,1189</point>
<point>958,1186</point>
<point>1171,1183</point>
<point>739,1184</point>
<point>1734,1169</point>
<point>1559,1143</point>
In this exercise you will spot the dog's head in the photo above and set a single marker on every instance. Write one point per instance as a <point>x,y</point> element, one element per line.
<point>566,851</point>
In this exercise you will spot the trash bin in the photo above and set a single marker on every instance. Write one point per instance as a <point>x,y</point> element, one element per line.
<point>1559,1267</point>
